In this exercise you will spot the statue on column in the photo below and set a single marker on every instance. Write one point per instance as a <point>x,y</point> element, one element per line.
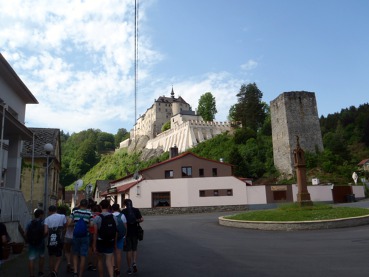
<point>303,196</point>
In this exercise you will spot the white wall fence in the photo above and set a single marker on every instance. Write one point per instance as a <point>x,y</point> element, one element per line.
<point>319,193</point>
<point>13,207</point>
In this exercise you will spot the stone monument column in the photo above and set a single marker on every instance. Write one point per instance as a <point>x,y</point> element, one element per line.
<point>303,196</point>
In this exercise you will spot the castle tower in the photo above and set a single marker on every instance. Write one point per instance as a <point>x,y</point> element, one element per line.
<point>176,106</point>
<point>294,114</point>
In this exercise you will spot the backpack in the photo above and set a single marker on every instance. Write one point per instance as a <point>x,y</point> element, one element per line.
<point>55,237</point>
<point>130,216</point>
<point>108,228</point>
<point>80,229</point>
<point>120,227</point>
<point>35,232</point>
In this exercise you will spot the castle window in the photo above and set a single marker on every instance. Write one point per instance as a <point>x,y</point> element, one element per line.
<point>215,172</point>
<point>201,172</point>
<point>159,109</point>
<point>216,192</point>
<point>229,192</point>
<point>168,174</point>
<point>186,171</point>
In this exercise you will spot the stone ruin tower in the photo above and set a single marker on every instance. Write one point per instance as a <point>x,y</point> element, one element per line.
<point>294,114</point>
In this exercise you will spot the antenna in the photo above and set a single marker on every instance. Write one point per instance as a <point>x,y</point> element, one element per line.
<point>136,65</point>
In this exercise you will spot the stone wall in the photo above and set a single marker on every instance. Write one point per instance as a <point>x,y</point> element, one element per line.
<point>188,134</point>
<point>189,210</point>
<point>294,114</point>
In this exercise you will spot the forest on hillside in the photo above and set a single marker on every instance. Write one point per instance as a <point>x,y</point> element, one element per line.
<point>90,155</point>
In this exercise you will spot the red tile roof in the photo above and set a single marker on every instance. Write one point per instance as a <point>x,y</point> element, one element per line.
<point>363,162</point>
<point>122,188</point>
<point>168,161</point>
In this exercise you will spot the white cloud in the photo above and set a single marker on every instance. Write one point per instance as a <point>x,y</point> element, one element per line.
<point>249,65</point>
<point>76,57</point>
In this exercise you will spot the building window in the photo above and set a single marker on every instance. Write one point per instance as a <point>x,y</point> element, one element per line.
<point>160,199</point>
<point>215,172</point>
<point>187,171</point>
<point>168,174</point>
<point>215,192</point>
<point>201,172</point>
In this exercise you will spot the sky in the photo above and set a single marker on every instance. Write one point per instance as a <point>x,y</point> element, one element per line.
<point>77,56</point>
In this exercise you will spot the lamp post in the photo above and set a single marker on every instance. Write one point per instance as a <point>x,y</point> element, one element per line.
<point>48,147</point>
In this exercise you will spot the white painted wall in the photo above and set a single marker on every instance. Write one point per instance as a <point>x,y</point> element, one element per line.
<point>185,192</point>
<point>324,193</point>
<point>359,191</point>
<point>256,195</point>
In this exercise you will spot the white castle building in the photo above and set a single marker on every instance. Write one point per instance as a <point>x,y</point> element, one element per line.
<point>186,128</point>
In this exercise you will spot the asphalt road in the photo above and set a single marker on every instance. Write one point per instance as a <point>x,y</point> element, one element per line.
<point>196,245</point>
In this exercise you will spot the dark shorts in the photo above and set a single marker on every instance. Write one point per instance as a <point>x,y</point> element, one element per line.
<point>36,251</point>
<point>103,247</point>
<point>80,246</point>
<point>55,250</point>
<point>131,244</point>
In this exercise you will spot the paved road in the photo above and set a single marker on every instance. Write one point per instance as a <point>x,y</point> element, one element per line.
<point>195,245</point>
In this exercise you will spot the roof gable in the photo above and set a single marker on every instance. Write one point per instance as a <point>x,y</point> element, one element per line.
<point>185,154</point>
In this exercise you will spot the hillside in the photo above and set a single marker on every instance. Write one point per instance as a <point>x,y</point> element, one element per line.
<point>345,139</point>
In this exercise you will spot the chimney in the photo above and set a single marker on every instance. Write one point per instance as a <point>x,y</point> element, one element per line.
<point>173,152</point>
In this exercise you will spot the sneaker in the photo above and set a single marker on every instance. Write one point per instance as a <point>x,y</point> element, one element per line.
<point>117,272</point>
<point>129,271</point>
<point>53,274</point>
<point>40,274</point>
<point>75,274</point>
<point>134,266</point>
<point>69,269</point>
<point>91,267</point>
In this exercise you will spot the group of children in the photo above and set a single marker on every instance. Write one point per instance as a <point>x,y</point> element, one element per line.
<point>92,232</point>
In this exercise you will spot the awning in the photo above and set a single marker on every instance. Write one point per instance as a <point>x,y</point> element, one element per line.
<point>119,189</point>
<point>14,128</point>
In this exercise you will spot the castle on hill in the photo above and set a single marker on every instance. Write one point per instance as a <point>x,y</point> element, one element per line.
<point>187,129</point>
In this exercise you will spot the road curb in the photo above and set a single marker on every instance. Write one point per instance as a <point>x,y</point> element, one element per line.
<point>295,225</point>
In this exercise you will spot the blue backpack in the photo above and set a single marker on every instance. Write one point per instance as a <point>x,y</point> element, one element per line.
<point>80,229</point>
<point>121,229</point>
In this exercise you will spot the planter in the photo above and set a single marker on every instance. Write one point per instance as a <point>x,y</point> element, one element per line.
<point>17,247</point>
<point>6,252</point>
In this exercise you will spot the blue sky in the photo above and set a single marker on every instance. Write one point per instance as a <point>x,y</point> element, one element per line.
<point>76,56</point>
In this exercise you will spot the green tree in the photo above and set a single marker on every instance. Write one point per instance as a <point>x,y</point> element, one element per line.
<point>120,136</point>
<point>207,106</point>
<point>105,142</point>
<point>166,126</point>
<point>250,110</point>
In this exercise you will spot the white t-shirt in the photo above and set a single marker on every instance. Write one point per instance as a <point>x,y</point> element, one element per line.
<point>55,220</point>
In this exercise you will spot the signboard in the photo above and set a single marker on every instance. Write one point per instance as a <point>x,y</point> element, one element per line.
<point>112,190</point>
<point>279,188</point>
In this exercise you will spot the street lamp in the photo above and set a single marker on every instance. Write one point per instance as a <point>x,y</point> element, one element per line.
<point>48,147</point>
